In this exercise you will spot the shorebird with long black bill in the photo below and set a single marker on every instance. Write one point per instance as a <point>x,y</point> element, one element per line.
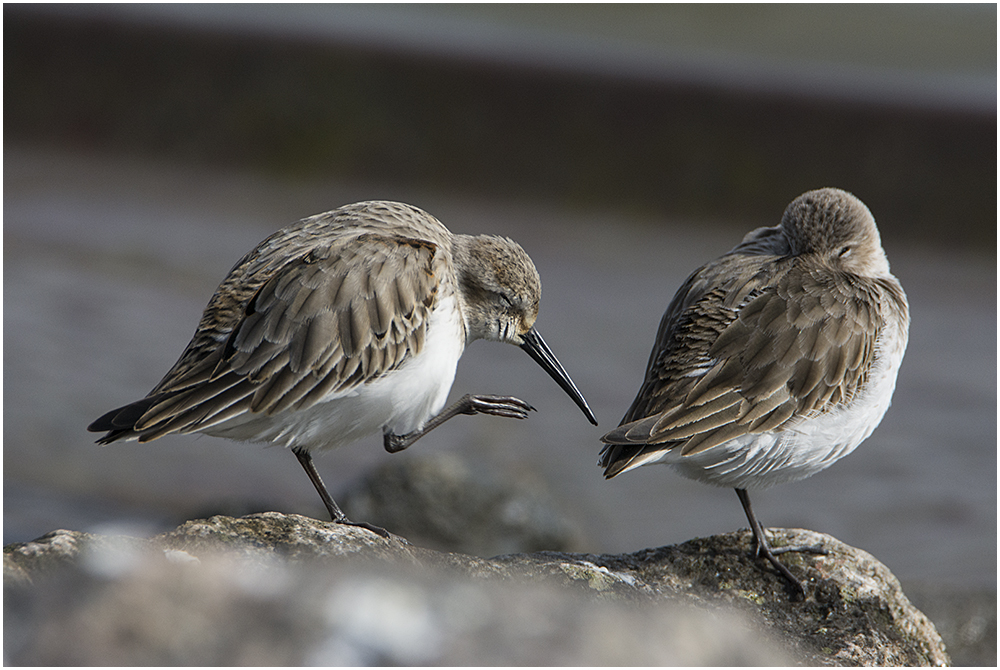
<point>341,325</point>
<point>773,361</point>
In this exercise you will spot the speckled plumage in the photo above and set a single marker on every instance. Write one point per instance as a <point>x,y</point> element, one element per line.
<point>342,324</point>
<point>775,360</point>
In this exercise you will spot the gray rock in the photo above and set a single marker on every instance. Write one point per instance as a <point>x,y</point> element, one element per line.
<point>443,502</point>
<point>281,589</point>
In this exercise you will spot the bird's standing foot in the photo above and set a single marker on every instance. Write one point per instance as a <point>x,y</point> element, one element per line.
<point>336,514</point>
<point>801,548</point>
<point>361,524</point>
<point>764,549</point>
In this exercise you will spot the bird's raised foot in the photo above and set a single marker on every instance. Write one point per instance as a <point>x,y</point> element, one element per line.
<point>495,405</point>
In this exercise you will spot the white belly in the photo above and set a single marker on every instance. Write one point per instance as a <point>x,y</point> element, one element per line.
<point>401,401</point>
<point>804,446</point>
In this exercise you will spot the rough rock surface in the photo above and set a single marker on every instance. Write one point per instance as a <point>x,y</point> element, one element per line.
<point>281,589</point>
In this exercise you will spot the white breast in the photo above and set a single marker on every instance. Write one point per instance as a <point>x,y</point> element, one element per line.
<point>400,401</point>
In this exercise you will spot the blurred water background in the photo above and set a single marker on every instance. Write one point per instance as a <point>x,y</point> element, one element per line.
<point>146,148</point>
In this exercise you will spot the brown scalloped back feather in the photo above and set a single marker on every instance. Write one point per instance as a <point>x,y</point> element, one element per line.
<point>751,342</point>
<point>319,307</point>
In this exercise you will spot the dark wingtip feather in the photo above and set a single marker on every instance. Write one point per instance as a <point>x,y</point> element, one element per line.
<point>120,422</point>
<point>615,458</point>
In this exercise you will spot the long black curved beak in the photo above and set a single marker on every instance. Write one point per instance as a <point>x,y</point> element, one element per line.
<point>535,346</point>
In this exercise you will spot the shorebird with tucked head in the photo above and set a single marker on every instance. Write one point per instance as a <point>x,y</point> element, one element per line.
<point>773,361</point>
<point>342,325</point>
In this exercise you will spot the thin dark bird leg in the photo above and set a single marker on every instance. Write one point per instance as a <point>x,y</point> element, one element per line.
<point>764,549</point>
<point>305,458</point>
<point>497,405</point>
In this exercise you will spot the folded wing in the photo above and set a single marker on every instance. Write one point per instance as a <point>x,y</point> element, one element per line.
<point>282,334</point>
<point>746,357</point>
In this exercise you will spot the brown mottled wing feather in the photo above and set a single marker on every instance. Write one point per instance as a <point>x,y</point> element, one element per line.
<point>747,355</point>
<point>281,336</point>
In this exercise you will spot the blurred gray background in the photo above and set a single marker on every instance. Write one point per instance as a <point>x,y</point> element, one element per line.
<point>148,147</point>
